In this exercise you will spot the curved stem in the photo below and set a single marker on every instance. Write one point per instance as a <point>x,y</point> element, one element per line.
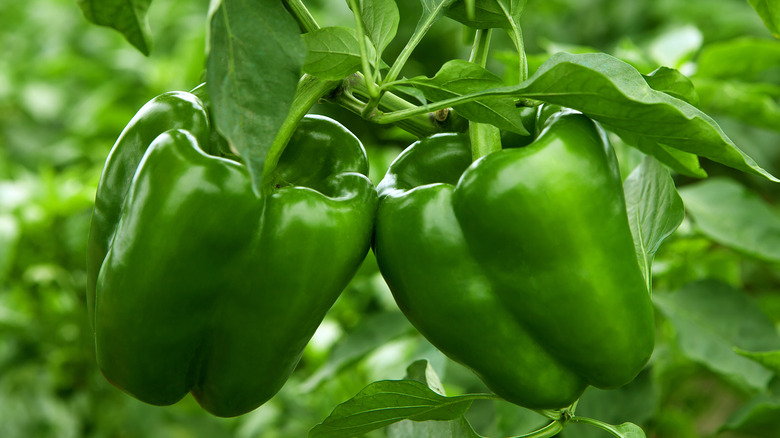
<point>548,431</point>
<point>302,15</point>
<point>310,90</point>
<point>593,422</point>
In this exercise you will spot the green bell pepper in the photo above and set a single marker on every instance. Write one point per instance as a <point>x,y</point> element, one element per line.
<point>520,265</point>
<point>198,285</point>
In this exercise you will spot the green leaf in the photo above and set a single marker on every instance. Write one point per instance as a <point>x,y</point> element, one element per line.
<point>615,94</point>
<point>126,16</point>
<point>431,13</point>
<point>253,70</point>
<point>629,430</point>
<point>754,104</point>
<point>381,18</point>
<point>333,53</point>
<point>488,13</point>
<point>734,216</point>
<point>457,78</point>
<point>673,83</point>
<point>386,402</point>
<point>424,373</point>
<point>769,359</point>
<point>710,319</point>
<point>654,208</point>
<point>745,59</point>
<point>769,11</point>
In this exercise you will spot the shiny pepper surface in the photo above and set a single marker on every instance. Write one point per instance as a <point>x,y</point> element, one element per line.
<point>198,285</point>
<point>521,265</point>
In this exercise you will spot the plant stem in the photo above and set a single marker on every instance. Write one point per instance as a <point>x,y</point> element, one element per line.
<point>485,138</point>
<point>548,431</point>
<point>420,125</point>
<point>373,92</point>
<point>479,51</point>
<point>302,15</point>
<point>309,91</point>
<point>419,33</point>
<point>593,422</point>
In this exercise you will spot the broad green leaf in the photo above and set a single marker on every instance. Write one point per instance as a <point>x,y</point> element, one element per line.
<point>754,104</point>
<point>126,16</point>
<point>253,70</point>
<point>372,332</point>
<point>457,78</point>
<point>673,83</point>
<point>381,18</point>
<point>745,59</point>
<point>488,13</point>
<point>654,208</point>
<point>710,319</point>
<point>615,94</point>
<point>734,216</point>
<point>423,372</point>
<point>769,11</point>
<point>333,53</point>
<point>769,359</point>
<point>386,402</point>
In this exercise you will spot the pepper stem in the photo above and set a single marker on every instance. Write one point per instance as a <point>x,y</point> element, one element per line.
<point>309,91</point>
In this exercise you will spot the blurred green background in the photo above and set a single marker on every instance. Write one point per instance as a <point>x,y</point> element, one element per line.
<point>67,88</point>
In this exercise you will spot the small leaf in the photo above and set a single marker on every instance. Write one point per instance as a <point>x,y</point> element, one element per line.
<point>710,319</point>
<point>333,53</point>
<point>654,208</point>
<point>673,83</point>
<point>488,13</point>
<point>253,70</point>
<point>769,359</point>
<point>431,13</point>
<point>733,216</point>
<point>423,372</point>
<point>126,16</point>
<point>381,19</point>
<point>457,78</point>
<point>386,402</point>
<point>769,11</point>
<point>629,430</point>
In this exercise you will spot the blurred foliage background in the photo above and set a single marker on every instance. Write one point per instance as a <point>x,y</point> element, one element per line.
<point>67,88</point>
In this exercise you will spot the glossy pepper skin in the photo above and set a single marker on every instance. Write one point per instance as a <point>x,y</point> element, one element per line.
<point>521,265</point>
<point>198,285</point>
